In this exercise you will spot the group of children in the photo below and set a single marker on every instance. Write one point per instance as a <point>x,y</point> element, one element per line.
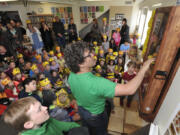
<point>45,78</point>
<point>118,63</point>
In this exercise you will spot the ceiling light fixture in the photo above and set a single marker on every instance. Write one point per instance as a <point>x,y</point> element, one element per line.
<point>98,0</point>
<point>7,0</point>
<point>157,5</point>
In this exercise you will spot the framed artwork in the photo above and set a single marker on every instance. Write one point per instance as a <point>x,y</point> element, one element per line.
<point>93,9</point>
<point>82,21</point>
<point>101,8</point>
<point>85,15</point>
<point>119,16</point>
<point>89,15</point>
<point>93,15</point>
<point>89,9</point>
<point>53,10</point>
<point>81,9</point>
<point>97,8</point>
<point>61,9</point>
<point>85,9</point>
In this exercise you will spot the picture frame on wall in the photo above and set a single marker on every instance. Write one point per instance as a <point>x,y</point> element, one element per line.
<point>89,9</point>
<point>81,9</point>
<point>93,15</point>
<point>85,9</point>
<point>119,16</point>
<point>97,8</point>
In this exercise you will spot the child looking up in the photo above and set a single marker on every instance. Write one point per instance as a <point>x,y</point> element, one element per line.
<point>127,76</point>
<point>29,117</point>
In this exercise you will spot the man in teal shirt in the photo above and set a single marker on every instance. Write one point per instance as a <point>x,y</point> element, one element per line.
<point>91,91</point>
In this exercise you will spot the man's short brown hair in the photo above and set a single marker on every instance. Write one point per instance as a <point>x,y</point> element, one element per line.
<point>16,114</point>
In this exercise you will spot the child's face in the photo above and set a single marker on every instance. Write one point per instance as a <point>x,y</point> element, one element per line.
<point>102,63</point>
<point>21,60</point>
<point>42,76</point>
<point>47,67</point>
<point>12,65</point>
<point>131,69</point>
<point>28,65</point>
<point>53,63</point>
<point>18,76</point>
<point>11,84</point>
<point>38,114</point>
<point>99,70</point>
<point>36,71</point>
<point>32,86</point>
<point>126,43</point>
<point>120,61</point>
<point>3,75</point>
<point>54,74</point>
<point>111,62</point>
<point>47,87</point>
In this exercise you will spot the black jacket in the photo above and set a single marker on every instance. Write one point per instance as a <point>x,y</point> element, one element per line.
<point>124,32</point>
<point>58,27</point>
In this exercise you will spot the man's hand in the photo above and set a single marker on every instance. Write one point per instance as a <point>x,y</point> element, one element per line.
<point>59,34</point>
<point>147,63</point>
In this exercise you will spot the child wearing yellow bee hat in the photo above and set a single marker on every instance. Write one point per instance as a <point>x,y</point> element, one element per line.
<point>10,89</point>
<point>48,95</point>
<point>63,101</point>
<point>60,59</point>
<point>53,64</point>
<point>21,62</point>
<point>105,44</point>
<point>98,70</point>
<point>34,71</point>
<point>111,68</point>
<point>110,53</point>
<point>47,69</point>
<point>52,55</point>
<point>17,77</point>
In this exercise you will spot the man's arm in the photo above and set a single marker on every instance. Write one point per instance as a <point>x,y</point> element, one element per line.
<point>131,87</point>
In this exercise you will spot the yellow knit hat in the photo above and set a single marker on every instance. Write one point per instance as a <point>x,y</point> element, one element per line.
<point>95,43</point>
<point>28,21</point>
<point>112,58</point>
<point>5,81</point>
<point>51,59</point>
<point>79,38</point>
<point>44,82</point>
<point>62,99</point>
<point>45,63</point>
<point>34,67</point>
<point>59,55</point>
<point>104,19</point>
<point>38,56</point>
<point>101,52</point>
<point>115,53</point>
<point>120,52</point>
<point>51,52</point>
<point>59,83</point>
<point>98,67</point>
<point>20,55</point>
<point>104,36</point>
<point>58,48</point>
<point>110,50</point>
<point>16,71</point>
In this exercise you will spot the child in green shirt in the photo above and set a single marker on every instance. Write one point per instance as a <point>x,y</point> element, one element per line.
<point>29,117</point>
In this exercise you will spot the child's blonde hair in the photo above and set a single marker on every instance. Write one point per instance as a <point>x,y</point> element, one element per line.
<point>16,114</point>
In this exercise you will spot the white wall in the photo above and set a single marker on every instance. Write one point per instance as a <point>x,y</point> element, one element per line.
<point>171,101</point>
<point>75,7</point>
